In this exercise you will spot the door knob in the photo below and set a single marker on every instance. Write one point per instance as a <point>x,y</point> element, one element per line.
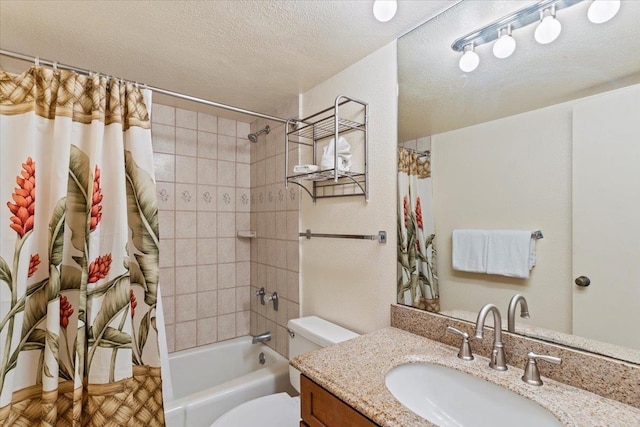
<point>583,281</point>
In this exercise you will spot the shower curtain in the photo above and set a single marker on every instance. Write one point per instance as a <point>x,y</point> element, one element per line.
<point>78,253</point>
<point>417,272</point>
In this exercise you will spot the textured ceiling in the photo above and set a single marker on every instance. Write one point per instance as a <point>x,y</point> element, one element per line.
<point>252,54</point>
<point>435,96</point>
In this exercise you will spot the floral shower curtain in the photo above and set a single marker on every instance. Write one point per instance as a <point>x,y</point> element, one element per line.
<point>417,273</point>
<point>78,253</point>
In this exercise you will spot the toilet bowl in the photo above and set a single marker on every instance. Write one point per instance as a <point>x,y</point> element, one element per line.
<point>282,410</point>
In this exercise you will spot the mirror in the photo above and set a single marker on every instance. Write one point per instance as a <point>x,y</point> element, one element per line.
<point>503,143</point>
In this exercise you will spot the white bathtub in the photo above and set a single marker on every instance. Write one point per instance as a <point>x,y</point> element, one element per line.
<point>208,381</point>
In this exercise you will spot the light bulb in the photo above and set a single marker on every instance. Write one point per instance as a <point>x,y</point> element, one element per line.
<point>603,10</point>
<point>384,10</point>
<point>548,29</point>
<point>505,45</point>
<point>470,60</point>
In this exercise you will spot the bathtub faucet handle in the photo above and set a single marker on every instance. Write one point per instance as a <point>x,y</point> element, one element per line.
<point>275,298</point>
<point>261,293</point>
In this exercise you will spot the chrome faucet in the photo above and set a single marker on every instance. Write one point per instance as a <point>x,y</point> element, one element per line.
<point>524,311</point>
<point>498,361</point>
<point>266,336</point>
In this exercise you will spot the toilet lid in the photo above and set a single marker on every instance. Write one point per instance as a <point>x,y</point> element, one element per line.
<point>274,410</point>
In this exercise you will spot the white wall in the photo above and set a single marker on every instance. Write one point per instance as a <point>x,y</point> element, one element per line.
<point>511,173</point>
<point>352,282</point>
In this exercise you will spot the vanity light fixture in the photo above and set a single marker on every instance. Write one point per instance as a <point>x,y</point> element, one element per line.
<point>602,11</point>
<point>542,13</point>
<point>469,60</point>
<point>505,45</point>
<point>385,10</point>
<point>549,27</point>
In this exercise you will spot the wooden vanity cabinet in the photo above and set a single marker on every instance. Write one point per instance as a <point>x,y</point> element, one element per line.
<point>320,408</point>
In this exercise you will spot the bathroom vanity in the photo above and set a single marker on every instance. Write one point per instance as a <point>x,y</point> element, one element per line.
<point>320,408</point>
<point>350,378</point>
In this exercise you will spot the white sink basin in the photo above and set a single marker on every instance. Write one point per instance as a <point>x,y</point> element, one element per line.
<point>450,398</point>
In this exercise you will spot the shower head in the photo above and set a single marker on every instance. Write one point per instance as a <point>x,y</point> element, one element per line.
<point>253,137</point>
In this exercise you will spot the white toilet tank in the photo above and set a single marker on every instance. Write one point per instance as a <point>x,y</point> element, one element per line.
<point>311,333</point>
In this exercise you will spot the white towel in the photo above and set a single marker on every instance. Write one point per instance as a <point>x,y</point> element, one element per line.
<point>305,168</point>
<point>470,250</point>
<point>344,155</point>
<point>510,253</point>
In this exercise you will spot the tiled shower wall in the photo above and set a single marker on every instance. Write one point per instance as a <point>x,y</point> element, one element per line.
<point>274,215</point>
<point>203,175</point>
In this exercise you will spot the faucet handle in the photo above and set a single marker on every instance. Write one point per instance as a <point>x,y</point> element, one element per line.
<point>531,371</point>
<point>465,348</point>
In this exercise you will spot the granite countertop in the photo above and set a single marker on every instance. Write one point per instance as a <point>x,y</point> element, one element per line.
<point>355,372</point>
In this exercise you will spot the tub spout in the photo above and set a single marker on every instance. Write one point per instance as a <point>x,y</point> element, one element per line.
<point>261,338</point>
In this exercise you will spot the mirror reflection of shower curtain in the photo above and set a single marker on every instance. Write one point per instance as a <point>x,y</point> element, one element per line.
<point>417,273</point>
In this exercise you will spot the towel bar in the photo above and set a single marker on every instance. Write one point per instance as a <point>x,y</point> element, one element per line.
<point>537,234</point>
<point>381,237</point>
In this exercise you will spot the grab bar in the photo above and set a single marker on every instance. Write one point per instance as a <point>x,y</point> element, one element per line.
<point>381,237</point>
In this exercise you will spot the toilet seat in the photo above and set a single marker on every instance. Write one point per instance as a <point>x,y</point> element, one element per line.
<point>274,410</point>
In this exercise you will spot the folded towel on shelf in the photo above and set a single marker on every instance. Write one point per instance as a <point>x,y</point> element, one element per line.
<point>510,253</point>
<point>344,155</point>
<point>305,168</point>
<point>469,250</point>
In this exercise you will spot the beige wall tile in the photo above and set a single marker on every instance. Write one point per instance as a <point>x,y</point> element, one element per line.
<point>207,331</point>
<point>243,301</point>
<point>186,280</point>
<point>207,145</point>
<point>226,250</point>
<point>207,251</point>
<point>243,129</point>
<point>226,327</point>
<point>186,169</point>
<point>207,224</point>
<point>171,338</point>
<point>186,119</point>
<point>226,126</point>
<point>207,171</point>
<point>207,198</point>
<point>163,114</point>
<point>243,322</point>
<point>164,167</point>
<point>167,253</point>
<point>186,225</point>
<point>226,199</point>
<point>243,150</point>
<point>227,148</point>
<point>186,251</point>
<point>226,301</point>
<point>165,193</point>
<point>186,142</point>
<point>166,224</point>
<point>167,281</point>
<point>185,335</point>
<point>207,122</point>
<point>163,138</point>
<point>226,224</point>
<point>186,307</point>
<point>207,277</point>
<point>226,275</point>
<point>186,197</point>
<point>207,304</point>
<point>168,307</point>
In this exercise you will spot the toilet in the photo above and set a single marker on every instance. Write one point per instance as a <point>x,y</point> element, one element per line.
<point>280,409</point>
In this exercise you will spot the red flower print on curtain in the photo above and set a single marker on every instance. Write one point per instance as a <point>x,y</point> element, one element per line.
<point>24,198</point>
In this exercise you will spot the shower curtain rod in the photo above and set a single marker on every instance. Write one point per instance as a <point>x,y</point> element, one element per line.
<point>152,88</point>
